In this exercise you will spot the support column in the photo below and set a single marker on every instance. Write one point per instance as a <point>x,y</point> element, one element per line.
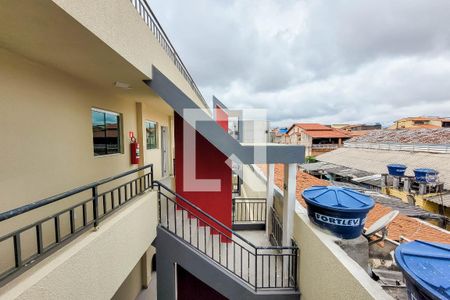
<point>140,132</point>
<point>290,182</point>
<point>269,196</point>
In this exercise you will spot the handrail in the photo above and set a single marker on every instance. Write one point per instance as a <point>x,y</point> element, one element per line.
<point>23,209</point>
<point>90,213</point>
<point>221,225</point>
<point>229,250</point>
<point>170,49</point>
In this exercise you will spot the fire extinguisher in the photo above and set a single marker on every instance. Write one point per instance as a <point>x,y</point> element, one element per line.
<point>134,151</point>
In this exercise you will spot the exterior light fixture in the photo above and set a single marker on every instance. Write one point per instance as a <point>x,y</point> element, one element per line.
<point>122,85</point>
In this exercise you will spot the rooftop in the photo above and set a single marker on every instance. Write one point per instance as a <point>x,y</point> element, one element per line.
<point>437,136</point>
<point>424,118</point>
<point>330,133</point>
<point>375,161</point>
<point>311,126</point>
<point>402,226</point>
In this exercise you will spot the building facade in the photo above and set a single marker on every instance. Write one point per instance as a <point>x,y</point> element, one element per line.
<point>87,214</point>
<point>421,122</point>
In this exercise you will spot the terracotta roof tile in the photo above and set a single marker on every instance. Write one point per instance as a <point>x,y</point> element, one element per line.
<point>312,126</point>
<point>438,136</point>
<point>405,226</point>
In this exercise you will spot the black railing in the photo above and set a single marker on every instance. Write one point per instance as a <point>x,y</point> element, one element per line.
<point>249,210</point>
<point>152,22</point>
<point>276,233</point>
<point>259,267</point>
<point>52,232</point>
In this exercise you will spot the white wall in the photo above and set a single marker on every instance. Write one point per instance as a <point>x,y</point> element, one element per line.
<point>326,271</point>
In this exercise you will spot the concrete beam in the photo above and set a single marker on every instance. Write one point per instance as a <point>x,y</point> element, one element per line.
<point>270,193</point>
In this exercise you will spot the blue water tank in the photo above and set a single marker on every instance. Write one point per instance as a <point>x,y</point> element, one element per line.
<point>342,211</point>
<point>425,175</point>
<point>426,267</point>
<point>396,169</point>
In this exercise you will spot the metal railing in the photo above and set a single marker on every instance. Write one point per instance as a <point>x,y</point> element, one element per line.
<point>65,225</point>
<point>325,146</point>
<point>400,147</point>
<point>260,267</point>
<point>152,22</point>
<point>276,234</point>
<point>249,210</point>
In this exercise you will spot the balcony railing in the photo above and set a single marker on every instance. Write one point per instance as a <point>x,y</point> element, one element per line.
<point>325,146</point>
<point>276,234</point>
<point>261,268</point>
<point>152,22</point>
<point>64,226</point>
<point>249,210</point>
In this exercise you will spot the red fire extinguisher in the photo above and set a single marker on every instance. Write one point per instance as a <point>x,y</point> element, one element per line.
<point>134,151</point>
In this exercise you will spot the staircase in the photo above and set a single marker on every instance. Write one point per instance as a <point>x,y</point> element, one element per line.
<point>256,269</point>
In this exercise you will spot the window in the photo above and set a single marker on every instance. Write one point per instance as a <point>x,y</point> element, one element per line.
<point>106,131</point>
<point>151,132</point>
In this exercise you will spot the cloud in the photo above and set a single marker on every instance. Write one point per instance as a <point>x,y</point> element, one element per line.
<point>325,61</point>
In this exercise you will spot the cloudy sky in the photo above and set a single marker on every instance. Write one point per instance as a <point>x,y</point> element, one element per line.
<point>323,61</point>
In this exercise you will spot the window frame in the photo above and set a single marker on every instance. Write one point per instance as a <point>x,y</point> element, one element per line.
<point>156,135</point>
<point>119,136</point>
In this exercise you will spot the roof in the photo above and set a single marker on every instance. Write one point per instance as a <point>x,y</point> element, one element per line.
<point>394,203</point>
<point>402,226</point>
<point>312,126</point>
<point>355,175</point>
<point>356,133</point>
<point>375,161</point>
<point>438,136</point>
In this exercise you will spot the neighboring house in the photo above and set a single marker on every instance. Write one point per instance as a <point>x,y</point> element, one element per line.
<point>276,135</point>
<point>316,138</point>
<point>421,122</point>
<point>361,127</point>
<point>357,129</point>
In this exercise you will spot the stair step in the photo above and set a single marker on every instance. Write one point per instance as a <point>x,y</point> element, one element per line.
<point>237,256</point>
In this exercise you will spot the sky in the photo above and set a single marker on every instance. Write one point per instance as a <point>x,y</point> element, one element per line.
<point>339,61</point>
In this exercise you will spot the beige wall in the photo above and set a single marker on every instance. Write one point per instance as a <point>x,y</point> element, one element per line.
<point>326,271</point>
<point>118,24</point>
<point>96,264</point>
<point>45,117</point>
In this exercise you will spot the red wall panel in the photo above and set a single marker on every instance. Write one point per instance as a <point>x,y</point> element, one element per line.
<point>210,164</point>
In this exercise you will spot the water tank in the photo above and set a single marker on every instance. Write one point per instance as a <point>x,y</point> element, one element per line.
<point>342,211</point>
<point>426,267</point>
<point>425,175</point>
<point>396,169</point>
